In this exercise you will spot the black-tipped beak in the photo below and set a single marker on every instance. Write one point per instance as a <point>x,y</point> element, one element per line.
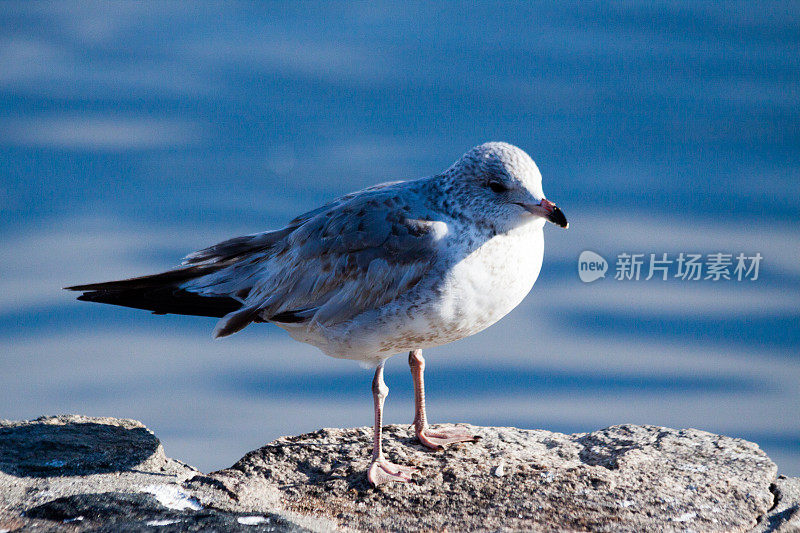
<point>549,211</point>
<point>557,217</point>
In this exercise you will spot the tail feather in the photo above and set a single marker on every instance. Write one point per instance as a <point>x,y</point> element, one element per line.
<point>178,275</point>
<point>166,300</point>
<point>161,293</point>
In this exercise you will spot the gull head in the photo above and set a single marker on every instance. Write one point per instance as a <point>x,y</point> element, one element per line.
<point>499,185</point>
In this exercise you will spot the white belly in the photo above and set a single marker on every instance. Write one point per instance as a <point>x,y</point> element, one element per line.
<point>472,295</point>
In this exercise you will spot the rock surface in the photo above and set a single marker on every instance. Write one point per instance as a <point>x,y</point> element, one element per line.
<point>76,473</point>
<point>73,473</point>
<point>624,478</point>
<point>785,513</point>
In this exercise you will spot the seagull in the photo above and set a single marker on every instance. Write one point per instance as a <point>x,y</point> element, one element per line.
<point>400,266</point>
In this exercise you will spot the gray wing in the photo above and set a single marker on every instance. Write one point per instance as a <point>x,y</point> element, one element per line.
<point>330,265</point>
<point>255,243</point>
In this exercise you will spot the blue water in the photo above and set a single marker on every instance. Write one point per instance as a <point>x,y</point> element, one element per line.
<point>133,134</point>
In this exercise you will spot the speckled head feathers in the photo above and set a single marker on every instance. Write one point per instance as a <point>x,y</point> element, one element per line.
<point>504,161</point>
<point>491,182</point>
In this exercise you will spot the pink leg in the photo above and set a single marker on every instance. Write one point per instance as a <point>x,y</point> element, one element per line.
<point>435,439</point>
<point>380,470</point>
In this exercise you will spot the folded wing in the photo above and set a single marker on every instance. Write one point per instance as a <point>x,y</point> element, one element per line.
<point>355,255</point>
<point>329,265</point>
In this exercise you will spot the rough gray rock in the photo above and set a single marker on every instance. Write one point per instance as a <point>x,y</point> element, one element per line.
<point>784,517</point>
<point>624,478</point>
<point>74,473</point>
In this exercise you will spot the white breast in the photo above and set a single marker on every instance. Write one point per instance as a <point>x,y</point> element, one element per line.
<point>490,282</point>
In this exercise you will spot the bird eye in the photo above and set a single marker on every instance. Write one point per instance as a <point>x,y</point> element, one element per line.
<point>497,187</point>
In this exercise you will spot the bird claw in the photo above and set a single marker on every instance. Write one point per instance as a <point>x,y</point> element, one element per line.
<point>382,471</point>
<point>436,439</point>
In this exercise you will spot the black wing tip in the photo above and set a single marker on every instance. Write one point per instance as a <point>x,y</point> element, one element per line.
<point>102,286</point>
<point>92,296</point>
